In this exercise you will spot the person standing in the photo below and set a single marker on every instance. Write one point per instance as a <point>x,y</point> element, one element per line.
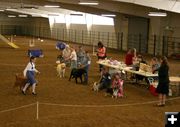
<point>73,58</point>
<point>66,54</point>
<point>130,56</point>
<point>101,53</point>
<point>85,64</point>
<point>80,55</point>
<point>163,82</point>
<point>29,73</point>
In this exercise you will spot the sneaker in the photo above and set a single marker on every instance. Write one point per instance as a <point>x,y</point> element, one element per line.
<point>34,93</point>
<point>160,105</point>
<point>23,92</point>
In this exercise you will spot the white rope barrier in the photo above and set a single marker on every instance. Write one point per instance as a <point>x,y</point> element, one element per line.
<point>81,106</point>
<point>12,109</point>
<point>59,115</point>
<point>96,106</point>
<point>100,106</point>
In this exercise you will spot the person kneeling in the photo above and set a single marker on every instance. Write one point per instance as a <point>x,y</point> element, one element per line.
<point>105,81</point>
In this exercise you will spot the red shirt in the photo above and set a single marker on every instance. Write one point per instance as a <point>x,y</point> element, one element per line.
<point>129,59</point>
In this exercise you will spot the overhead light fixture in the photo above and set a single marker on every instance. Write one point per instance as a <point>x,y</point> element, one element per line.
<point>160,14</point>
<point>52,6</point>
<point>11,16</point>
<point>53,14</point>
<point>74,14</point>
<point>35,15</point>
<point>108,15</point>
<point>89,2</point>
<point>23,16</point>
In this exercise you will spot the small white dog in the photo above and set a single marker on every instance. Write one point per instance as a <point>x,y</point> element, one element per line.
<point>115,93</point>
<point>96,86</point>
<point>61,67</point>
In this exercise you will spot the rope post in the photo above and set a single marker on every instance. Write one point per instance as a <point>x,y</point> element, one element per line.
<point>37,110</point>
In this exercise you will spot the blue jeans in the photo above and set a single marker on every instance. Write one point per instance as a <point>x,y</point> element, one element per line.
<point>86,75</point>
<point>73,64</point>
<point>30,77</point>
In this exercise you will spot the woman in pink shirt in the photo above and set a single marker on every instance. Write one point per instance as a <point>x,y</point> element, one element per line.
<point>101,53</point>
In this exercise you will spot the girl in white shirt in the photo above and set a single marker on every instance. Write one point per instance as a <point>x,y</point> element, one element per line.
<point>65,54</point>
<point>73,58</point>
<point>29,73</point>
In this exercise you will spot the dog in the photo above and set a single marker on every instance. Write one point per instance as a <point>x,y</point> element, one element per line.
<point>77,73</point>
<point>115,92</point>
<point>20,81</point>
<point>95,87</point>
<point>61,68</point>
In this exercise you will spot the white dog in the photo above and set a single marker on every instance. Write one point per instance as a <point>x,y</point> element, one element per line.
<point>61,67</point>
<point>115,93</point>
<point>96,86</point>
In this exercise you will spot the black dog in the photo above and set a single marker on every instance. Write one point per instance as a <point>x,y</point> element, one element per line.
<point>77,73</point>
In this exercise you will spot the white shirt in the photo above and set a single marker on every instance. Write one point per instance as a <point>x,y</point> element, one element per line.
<point>73,56</point>
<point>66,53</point>
<point>30,67</point>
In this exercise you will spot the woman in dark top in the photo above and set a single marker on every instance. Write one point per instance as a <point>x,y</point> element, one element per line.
<point>163,83</point>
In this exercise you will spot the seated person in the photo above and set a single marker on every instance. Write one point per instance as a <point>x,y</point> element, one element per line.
<point>155,65</point>
<point>131,54</point>
<point>140,59</point>
<point>105,81</point>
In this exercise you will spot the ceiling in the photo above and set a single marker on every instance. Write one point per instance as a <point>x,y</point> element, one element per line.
<point>168,5</point>
<point>129,7</point>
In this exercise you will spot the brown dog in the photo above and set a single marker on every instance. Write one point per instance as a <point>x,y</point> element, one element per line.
<point>20,81</point>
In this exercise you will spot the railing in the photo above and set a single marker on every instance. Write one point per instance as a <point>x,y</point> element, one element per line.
<point>154,44</point>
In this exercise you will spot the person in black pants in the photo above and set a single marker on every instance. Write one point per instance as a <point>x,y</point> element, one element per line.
<point>101,53</point>
<point>163,82</point>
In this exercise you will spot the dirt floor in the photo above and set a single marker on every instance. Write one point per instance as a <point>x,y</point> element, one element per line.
<point>66,104</point>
